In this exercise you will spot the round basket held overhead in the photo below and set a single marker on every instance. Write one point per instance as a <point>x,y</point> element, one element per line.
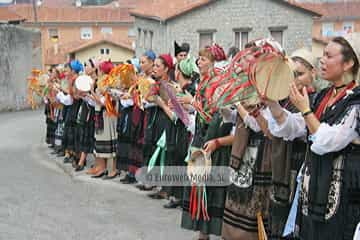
<point>83,83</point>
<point>272,74</point>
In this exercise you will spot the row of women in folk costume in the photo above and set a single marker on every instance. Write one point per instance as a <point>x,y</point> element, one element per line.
<point>292,151</point>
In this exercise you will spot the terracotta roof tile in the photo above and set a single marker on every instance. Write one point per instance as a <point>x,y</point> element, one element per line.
<point>8,16</point>
<point>165,10</point>
<point>73,14</point>
<point>336,10</point>
<point>48,3</point>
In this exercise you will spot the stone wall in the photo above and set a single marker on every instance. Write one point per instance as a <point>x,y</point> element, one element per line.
<point>223,16</point>
<point>20,52</point>
<point>159,36</point>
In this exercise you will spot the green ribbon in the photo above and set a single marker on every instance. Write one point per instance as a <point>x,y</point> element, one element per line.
<point>46,91</point>
<point>199,203</point>
<point>160,150</point>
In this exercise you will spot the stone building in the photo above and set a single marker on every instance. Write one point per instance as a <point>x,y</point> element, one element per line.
<point>227,22</point>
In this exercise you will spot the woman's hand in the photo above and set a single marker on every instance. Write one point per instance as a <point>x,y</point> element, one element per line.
<point>170,105</point>
<point>300,100</point>
<point>158,100</point>
<point>186,99</point>
<point>241,110</point>
<point>210,146</point>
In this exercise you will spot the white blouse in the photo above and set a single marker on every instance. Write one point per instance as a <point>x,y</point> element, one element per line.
<point>148,104</point>
<point>327,138</point>
<point>64,99</point>
<point>251,122</point>
<point>90,101</point>
<point>127,102</point>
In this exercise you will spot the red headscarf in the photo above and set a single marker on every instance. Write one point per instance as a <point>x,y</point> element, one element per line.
<point>106,66</point>
<point>168,60</point>
<point>218,52</point>
<point>62,75</point>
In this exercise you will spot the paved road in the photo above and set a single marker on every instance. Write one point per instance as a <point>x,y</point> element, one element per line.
<point>40,201</point>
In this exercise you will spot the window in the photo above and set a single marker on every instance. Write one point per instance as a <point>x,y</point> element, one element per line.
<point>277,33</point>
<point>278,36</point>
<point>132,32</point>
<point>53,34</point>
<point>327,29</point>
<point>348,27</point>
<point>106,30</point>
<point>151,35</point>
<point>139,38</point>
<point>86,33</point>
<point>241,39</point>
<point>144,39</point>
<point>206,38</point>
<point>104,51</point>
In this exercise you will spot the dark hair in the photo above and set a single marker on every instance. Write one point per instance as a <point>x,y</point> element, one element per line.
<point>233,51</point>
<point>91,63</point>
<point>347,53</point>
<point>303,62</point>
<point>250,44</point>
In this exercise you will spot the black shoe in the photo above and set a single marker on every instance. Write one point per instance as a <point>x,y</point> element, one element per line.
<point>51,146</point>
<point>67,160</point>
<point>156,195</point>
<point>79,168</point>
<point>108,177</point>
<point>173,204</point>
<point>128,179</point>
<point>143,187</point>
<point>104,173</point>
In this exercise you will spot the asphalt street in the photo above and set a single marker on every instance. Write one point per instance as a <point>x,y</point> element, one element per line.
<point>40,199</point>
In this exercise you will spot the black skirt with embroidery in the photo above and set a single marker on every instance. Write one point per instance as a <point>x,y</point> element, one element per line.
<point>215,195</point>
<point>152,132</point>
<point>50,126</point>
<point>70,124</point>
<point>123,129</point>
<point>136,156</point>
<point>85,129</point>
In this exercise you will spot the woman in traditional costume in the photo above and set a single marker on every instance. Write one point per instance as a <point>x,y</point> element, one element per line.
<point>146,136</point>
<point>273,159</point>
<point>329,196</point>
<point>212,134</point>
<point>61,114</point>
<point>133,131</point>
<point>125,157</point>
<point>71,100</point>
<point>50,111</point>
<point>161,123</point>
<point>85,124</point>
<point>186,75</point>
<point>105,124</point>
